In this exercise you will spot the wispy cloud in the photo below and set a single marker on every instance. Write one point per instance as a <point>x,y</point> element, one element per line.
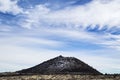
<point>92,14</point>
<point>10,6</point>
<point>46,32</point>
<point>21,57</point>
<point>76,20</point>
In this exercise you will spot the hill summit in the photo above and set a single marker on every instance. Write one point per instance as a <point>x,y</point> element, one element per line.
<point>61,65</point>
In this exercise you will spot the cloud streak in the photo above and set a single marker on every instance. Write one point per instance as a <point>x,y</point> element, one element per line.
<point>46,32</point>
<point>96,15</point>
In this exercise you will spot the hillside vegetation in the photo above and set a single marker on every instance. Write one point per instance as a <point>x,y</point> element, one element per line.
<point>62,77</point>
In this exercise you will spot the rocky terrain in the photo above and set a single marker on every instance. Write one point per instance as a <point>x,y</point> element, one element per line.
<point>59,68</point>
<point>62,65</point>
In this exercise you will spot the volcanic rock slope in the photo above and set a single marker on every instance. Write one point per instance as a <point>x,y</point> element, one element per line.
<point>61,65</point>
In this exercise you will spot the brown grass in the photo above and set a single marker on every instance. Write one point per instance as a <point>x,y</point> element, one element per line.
<point>62,77</point>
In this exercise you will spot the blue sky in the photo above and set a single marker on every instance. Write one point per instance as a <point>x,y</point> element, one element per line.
<point>32,31</point>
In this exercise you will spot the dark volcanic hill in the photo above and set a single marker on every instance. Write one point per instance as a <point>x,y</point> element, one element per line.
<point>61,65</point>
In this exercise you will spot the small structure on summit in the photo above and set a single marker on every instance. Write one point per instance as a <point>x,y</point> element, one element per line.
<point>61,65</point>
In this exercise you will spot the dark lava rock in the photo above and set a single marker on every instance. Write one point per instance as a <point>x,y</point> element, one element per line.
<point>61,65</point>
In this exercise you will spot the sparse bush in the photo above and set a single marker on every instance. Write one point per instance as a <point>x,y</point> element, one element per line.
<point>62,77</point>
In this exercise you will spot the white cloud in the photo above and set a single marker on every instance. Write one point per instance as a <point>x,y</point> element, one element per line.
<point>5,28</point>
<point>18,58</point>
<point>96,12</point>
<point>69,23</point>
<point>30,41</point>
<point>74,20</point>
<point>21,57</point>
<point>18,52</point>
<point>9,6</point>
<point>34,15</point>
